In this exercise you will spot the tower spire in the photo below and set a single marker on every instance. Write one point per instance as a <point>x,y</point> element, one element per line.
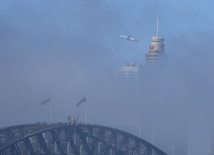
<point>157,29</point>
<point>156,48</point>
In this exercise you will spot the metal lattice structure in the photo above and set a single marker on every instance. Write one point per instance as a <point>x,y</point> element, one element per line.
<point>77,139</point>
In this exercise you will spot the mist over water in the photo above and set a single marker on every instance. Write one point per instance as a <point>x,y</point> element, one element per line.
<point>69,50</point>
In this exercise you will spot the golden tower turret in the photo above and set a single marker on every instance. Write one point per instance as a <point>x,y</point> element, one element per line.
<point>156,48</point>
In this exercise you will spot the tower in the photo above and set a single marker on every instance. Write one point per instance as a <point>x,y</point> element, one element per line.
<point>156,48</point>
<point>129,71</point>
<point>212,143</point>
<point>171,134</point>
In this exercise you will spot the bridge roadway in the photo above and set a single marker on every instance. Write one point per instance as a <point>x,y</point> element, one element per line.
<point>71,139</point>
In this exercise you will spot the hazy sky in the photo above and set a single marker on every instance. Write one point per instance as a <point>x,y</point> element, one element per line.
<point>69,48</point>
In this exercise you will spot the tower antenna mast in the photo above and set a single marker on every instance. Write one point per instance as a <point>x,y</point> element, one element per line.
<point>157,30</point>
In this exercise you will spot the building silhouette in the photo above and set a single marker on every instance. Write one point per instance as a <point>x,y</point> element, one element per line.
<point>130,71</point>
<point>156,48</point>
<point>166,136</point>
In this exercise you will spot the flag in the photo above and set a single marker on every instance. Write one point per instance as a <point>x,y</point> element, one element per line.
<point>82,100</point>
<point>46,100</point>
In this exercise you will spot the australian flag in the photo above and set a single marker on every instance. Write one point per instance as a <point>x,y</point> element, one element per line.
<point>82,100</point>
<point>46,100</point>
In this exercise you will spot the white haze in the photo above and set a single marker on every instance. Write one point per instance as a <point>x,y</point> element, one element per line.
<point>69,49</point>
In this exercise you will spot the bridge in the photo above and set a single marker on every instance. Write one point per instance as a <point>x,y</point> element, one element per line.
<point>71,139</point>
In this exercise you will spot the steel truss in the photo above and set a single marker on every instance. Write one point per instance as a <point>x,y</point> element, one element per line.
<point>78,139</point>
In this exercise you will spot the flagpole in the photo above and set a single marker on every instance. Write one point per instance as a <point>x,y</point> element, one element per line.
<point>86,109</point>
<point>48,100</point>
<point>81,101</point>
<point>50,112</point>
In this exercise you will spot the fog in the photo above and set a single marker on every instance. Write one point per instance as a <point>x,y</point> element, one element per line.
<point>69,49</point>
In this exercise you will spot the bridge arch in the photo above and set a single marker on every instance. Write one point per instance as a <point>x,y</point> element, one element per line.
<point>76,139</point>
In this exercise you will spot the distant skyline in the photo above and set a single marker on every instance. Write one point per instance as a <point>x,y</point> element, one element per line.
<point>39,20</point>
<point>70,48</point>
